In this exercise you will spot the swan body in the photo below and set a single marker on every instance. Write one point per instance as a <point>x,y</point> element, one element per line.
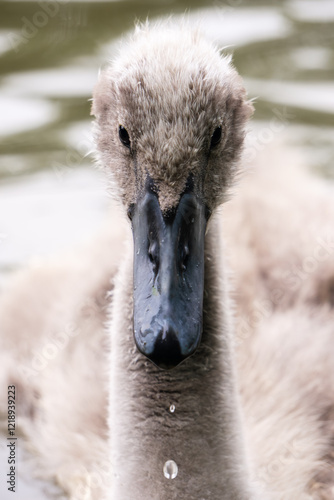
<point>251,424</point>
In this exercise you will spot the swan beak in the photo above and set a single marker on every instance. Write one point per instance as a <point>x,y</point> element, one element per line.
<point>168,277</point>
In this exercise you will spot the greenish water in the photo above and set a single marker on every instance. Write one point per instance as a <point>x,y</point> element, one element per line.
<point>50,53</point>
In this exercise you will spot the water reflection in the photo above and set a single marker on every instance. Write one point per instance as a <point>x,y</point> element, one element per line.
<point>285,54</point>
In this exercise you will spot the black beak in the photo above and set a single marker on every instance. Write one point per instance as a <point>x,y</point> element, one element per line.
<point>168,277</point>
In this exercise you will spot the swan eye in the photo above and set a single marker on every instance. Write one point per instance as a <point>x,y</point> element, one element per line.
<point>124,136</point>
<point>130,211</point>
<point>216,136</point>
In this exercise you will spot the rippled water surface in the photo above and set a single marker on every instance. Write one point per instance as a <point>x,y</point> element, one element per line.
<point>50,195</point>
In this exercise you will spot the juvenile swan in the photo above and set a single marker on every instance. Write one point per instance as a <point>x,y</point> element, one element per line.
<point>170,124</point>
<point>170,115</point>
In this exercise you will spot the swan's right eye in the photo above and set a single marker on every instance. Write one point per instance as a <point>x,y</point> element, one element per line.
<point>124,136</point>
<point>130,211</point>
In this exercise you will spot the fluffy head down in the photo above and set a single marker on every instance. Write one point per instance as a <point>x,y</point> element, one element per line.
<point>170,89</point>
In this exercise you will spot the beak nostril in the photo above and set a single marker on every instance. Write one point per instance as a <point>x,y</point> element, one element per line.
<point>153,256</point>
<point>184,257</point>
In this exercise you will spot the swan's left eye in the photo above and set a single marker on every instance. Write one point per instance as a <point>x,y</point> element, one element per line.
<point>216,137</point>
<point>124,136</point>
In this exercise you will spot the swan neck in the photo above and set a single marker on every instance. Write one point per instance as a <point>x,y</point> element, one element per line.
<point>189,414</point>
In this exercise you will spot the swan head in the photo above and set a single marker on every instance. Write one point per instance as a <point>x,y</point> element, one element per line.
<point>170,116</point>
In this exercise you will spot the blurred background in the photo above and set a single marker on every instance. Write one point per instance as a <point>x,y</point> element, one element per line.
<point>50,54</point>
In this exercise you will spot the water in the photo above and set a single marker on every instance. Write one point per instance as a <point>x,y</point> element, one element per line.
<point>50,196</point>
<point>170,469</point>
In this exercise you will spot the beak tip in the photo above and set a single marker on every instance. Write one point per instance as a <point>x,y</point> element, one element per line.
<point>166,352</point>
